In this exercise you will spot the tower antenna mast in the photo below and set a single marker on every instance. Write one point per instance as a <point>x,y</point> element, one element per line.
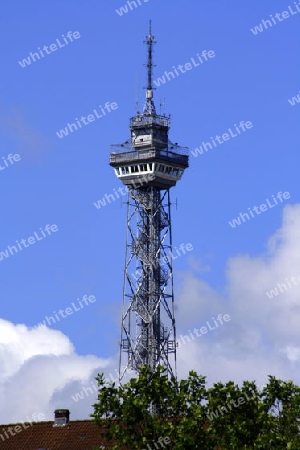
<point>149,106</point>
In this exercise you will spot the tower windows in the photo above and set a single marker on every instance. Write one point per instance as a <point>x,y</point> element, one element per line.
<point>124,170</point>
<point>149,168</point>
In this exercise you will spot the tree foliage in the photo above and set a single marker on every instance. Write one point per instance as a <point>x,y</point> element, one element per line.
<point>191,416</point>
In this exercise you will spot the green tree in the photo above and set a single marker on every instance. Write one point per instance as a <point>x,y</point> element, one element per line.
<point>236,415</point>
<point>151,406</point>
<point>281,401</point>
<point>191,416</point>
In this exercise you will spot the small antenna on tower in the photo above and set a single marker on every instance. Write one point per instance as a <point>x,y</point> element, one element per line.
<point>137,108</point>
<point>162,106</point>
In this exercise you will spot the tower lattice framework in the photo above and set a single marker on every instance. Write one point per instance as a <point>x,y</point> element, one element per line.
<point>149,164</point>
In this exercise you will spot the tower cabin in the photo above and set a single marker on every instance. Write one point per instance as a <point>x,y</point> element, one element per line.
<point>149,158</point>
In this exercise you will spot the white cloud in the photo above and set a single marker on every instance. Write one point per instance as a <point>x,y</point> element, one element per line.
<point>40,372</point>
<point>262,336</point>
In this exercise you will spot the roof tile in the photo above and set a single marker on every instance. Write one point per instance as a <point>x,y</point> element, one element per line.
<point>75,435</point>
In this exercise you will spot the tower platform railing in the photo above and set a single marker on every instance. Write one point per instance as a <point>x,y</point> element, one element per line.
<point>153,119</point>
<point>180,156</point>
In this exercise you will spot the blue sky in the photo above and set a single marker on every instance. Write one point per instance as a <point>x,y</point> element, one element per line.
<point>56,181</point>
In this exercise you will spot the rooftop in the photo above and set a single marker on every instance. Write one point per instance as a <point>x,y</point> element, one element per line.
<point>75,435</point>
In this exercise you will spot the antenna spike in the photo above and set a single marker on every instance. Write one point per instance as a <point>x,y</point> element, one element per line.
<point>149,107</point>
<point>137,94</point>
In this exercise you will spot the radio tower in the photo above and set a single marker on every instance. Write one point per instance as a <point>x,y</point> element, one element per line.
<point>149,165</point>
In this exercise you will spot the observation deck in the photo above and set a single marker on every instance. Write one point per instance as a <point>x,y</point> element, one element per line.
<point>150,166</point>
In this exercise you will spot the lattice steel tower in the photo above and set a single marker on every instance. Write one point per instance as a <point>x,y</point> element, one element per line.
<point>149,165</point>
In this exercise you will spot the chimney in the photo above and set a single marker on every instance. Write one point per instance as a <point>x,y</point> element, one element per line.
<point>61,417</point>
